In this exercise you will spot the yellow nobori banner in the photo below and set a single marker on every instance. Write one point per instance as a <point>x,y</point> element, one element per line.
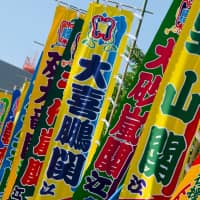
<point>61,28</point>
<point>52,54</point>
<point>91,82</point>
<point>160,157</point>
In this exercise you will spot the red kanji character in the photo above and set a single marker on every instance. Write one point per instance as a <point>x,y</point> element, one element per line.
<point>113,157</point>
<point>164,53</point>
<point>31,175</point>
<point>2,154</point>
<point>145,89</point>
<point>41,148</point>
<point>61,84</point>
<point>52,111</point>
<point>7,132</point>
<point>129,124</point>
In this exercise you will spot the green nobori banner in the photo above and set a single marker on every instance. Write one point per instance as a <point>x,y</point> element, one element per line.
<point>34,157</point>
<point>104,177</point>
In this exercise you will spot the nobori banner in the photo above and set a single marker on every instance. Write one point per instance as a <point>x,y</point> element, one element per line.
<point>96,61</point>
<point>5,101</point>
<point>7,137</point>
<point>57,74</point>
<point>8,125</point>
<point>52,54</point>
<point>105,175</point>
<point>15,145</point>
<point>160,158</point>
<point>39,143</point>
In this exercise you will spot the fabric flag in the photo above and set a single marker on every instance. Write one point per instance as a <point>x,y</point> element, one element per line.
<point>190,185</point>
<point>52,54</point>
<point>105,175</point>
<point>8,152</point>
<point>8,125</point>
<point>8,134</point>
<point>56,43</point>
<point>31,167</point>
<point>5,101</point>
<point>102,37</point>
<point>160,159</point>
<point>16,142</point>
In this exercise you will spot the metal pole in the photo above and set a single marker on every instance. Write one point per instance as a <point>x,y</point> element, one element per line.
<point>38,43</point>
<point>131,51</point>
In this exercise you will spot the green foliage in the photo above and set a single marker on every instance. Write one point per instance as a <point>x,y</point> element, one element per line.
<point>136,59</point>
<point>136,56</point>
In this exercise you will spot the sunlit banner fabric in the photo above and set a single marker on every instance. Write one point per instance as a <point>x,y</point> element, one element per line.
<point>60,32</point>
<point>8,125</point>
<point>190,185</point>
<point>16,144</point>
<point>160,159</point>
<point>8,152</point>
<point>7,133</point>
<point>102,38</point>
<point>38,146</point>
<point>5,101</point>
<point>52,53</point>
<point>106,173</point>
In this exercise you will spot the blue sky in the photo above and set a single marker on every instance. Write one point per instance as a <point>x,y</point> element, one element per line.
<point>25,21</point>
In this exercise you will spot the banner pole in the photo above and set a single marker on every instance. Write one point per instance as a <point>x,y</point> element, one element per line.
<point>129,56</point>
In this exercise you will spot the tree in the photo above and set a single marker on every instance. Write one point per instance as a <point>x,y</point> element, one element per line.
<point>136,59</point>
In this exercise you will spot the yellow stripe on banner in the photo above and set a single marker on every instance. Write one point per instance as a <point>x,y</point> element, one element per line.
<point>86,49</point>
<point>54,43</point>
<point>160,157</point>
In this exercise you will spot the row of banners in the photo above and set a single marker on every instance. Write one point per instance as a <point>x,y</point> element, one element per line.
<point>52,141</point>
